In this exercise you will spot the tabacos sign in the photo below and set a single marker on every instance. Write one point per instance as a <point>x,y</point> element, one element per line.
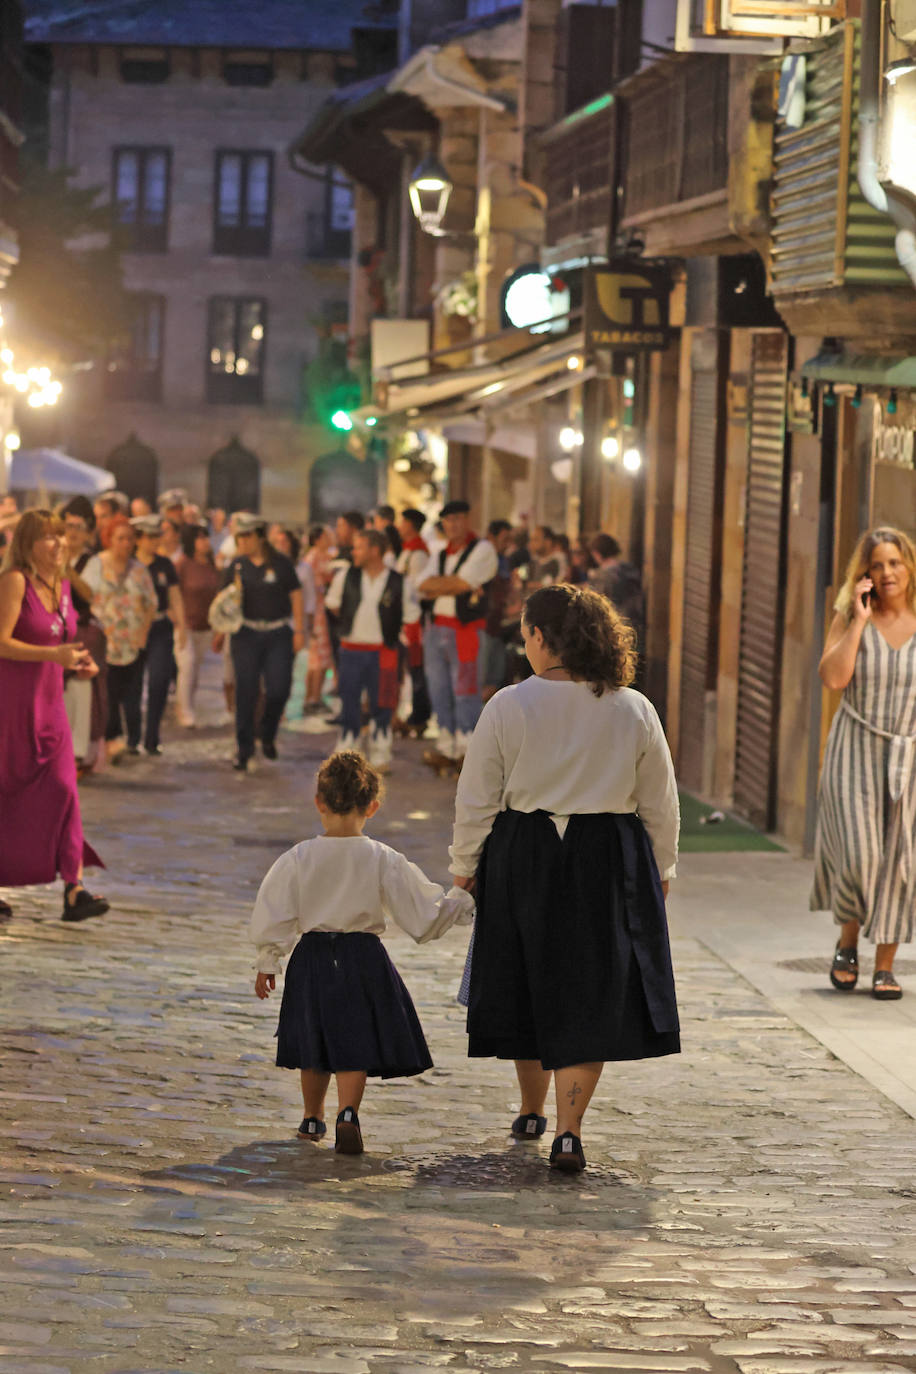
<point>893,444</point>
<point>626,307</point>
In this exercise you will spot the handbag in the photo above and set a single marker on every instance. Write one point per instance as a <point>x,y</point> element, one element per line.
<point>225,614</point>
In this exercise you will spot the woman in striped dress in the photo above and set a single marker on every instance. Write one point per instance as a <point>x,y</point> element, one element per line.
<point>865,848</point>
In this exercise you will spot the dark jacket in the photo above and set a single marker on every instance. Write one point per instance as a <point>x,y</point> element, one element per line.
<point>390,606</point>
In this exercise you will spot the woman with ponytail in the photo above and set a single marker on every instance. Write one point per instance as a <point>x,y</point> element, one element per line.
<point>567,823</point>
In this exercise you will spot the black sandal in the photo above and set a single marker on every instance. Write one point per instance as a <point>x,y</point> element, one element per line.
<point>566,1154</point>
<point>845,961</point>
<point>529,1127</point>
<point>884,986</point>
<point>6,910</point>
<point>311,1128</point>
<point>83,905</point>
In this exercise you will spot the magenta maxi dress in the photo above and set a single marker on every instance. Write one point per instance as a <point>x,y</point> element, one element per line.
<point>41,833</point>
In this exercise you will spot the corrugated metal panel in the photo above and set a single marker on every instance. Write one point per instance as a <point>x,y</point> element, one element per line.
<point>698,649</point>
<point>823,232</point>
<point>761,592</point>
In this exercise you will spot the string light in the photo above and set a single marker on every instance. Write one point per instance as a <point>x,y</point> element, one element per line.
<point>36,384</point>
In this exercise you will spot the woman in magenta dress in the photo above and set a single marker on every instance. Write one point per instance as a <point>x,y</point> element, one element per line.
<point>41,833</point>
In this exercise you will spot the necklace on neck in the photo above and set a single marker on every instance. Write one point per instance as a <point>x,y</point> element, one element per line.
<point>554,668</point>
<point>48,585</point>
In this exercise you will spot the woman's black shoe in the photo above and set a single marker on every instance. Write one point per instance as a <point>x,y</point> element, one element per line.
<point>529,1127</point>
<point>566,1154</point>
<point>6,910</point>
<point>269,750</point>
<point>83,905</point>
<point>845,961</point>
<point>239,764</point>
<point>311,1128</point>
<point>154,750</point>
<point>348,1139</point>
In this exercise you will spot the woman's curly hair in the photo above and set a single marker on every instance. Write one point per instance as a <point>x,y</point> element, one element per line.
<point>346,782</point>
<point>591,640</point>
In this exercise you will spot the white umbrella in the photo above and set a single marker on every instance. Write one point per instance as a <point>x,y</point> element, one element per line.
<point>50,471</point>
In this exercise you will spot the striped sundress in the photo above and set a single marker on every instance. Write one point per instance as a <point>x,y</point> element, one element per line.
<point>864,848</point>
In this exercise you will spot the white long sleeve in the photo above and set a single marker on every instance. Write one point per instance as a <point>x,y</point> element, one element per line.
<point>555,746</point>
<point>348,884</point>
<point>419,906</point>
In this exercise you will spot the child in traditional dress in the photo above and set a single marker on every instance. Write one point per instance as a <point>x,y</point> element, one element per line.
<point>345,1009</point>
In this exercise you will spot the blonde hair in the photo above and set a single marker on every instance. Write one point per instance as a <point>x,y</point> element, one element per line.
<point>859,563</point>
<point>31,526</point>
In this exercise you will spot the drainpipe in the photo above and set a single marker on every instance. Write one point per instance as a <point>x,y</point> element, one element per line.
<point>886,199</point>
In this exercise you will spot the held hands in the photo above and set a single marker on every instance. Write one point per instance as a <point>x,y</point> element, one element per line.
<point>862,601</point>
<point>264,985</point>
<point>298,642</point>
<point>467,883</point>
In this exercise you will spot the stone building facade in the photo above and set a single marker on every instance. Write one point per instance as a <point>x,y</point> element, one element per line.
<point>237,262</point>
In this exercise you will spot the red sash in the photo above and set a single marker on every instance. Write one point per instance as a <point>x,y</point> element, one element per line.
<point>388,689</point>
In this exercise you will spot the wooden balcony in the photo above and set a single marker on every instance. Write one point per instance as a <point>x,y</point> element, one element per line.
<point>676,156</point>
<point>577,173</point>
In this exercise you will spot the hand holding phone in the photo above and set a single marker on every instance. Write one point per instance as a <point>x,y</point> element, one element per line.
<point>865,598</point>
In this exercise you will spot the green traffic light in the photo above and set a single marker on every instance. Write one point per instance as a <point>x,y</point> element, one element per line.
<point>341,420</point>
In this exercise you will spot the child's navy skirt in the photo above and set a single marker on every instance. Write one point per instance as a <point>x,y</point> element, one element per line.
<point>345,1009</point>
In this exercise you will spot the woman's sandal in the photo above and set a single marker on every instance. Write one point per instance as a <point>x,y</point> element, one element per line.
<point>566,1154</point>
<point>6,911</point>
<point>884,986</point>
<point>311,1128</point>
<point>845,961</point>
<point>529,1127</point>
<point>83,905</point>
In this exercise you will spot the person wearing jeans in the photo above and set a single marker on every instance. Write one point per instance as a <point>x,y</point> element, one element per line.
<point>367,599</point>
<point>455,581</point>
<point>167,630</point>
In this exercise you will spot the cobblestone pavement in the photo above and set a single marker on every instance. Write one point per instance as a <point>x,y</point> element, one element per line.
<point>749,1205</point>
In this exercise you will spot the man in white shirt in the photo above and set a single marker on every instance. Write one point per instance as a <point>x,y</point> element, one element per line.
<point>367,599</point>
<point>455,581</point>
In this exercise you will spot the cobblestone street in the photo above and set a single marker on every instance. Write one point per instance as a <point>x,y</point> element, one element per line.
<point>749,1205</point>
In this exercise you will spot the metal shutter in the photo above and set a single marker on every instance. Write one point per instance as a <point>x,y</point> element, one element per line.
<point>759,657</point>
<point>699,656</point>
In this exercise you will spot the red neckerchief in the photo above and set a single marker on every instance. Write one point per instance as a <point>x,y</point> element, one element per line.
<point>415,543</point>
<point>469,538</point>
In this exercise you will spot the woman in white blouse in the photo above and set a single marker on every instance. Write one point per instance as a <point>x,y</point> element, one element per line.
<point>567,820</point>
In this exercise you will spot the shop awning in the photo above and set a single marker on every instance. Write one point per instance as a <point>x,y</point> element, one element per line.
<point>860,369</point>
<point>513,380</point>
<point>52,472</point>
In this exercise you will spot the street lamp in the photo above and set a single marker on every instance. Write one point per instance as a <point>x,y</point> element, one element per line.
<point>430,187</point>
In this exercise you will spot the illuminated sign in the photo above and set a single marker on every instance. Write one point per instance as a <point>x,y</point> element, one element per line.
<point>532,299</point>
<point>626,307</point>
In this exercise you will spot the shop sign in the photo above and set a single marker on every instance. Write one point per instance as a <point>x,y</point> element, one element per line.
<point>626,307</point>
<point>892,444</point>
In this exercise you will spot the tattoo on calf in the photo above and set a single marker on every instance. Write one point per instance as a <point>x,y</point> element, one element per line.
<point>574,1092</point>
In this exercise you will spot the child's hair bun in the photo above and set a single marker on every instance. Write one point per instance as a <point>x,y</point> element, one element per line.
<point>347,782</point>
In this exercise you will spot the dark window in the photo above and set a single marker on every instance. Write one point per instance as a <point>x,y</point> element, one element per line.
<point>329,230</point>
<point>242,210</point>
<point>145,73</point>
<point>241,72</point>
<point>236,335</point>
<point>141,197</point>
<point>134,370</point>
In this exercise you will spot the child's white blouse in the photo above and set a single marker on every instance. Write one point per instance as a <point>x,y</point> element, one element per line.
<point>345,884</point>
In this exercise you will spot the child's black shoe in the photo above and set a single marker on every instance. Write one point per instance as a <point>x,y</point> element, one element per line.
<point>311,1129</point>
<point>349,1139</point>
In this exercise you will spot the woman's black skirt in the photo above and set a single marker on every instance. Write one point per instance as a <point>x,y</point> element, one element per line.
<point>571,962</point>
<point>345,1009</point>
